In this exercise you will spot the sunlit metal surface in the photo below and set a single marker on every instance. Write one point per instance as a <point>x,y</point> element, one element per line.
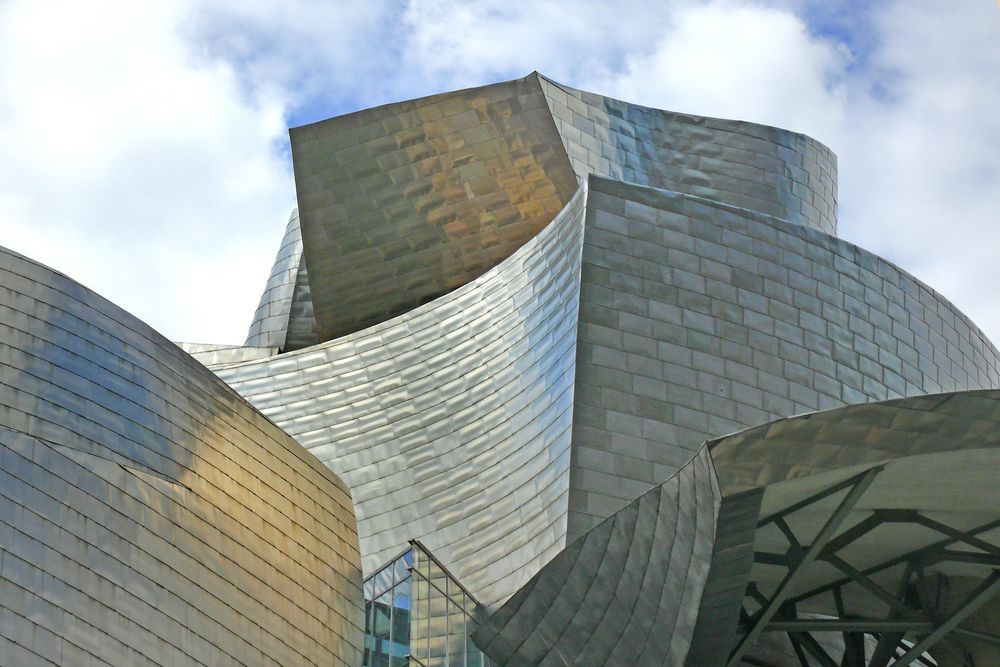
<point>756,167</point>
<point>690,288</point>
<point>627,593</point>
<point>699,319</point>
<point>405,202</point>
<point>452,423</point>
<point>148,514</point>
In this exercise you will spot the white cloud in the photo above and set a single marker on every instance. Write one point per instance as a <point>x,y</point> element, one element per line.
<point>143,146</point>
<point>740,61</point>
<point>128,166</point>
<point>921,176</point>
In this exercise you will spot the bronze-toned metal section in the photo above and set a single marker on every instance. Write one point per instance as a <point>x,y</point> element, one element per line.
<point>148,514</point>
<point>408,201</point>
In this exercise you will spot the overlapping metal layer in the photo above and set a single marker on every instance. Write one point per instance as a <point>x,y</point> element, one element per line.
<point>880,530</point>
<point>451,423</point>
<point>690,288</point>
<point>526,309</point>
<point>865,535</point>
<point>627,593</point>
<point>756,167</point>
<point>699,319</point>
<point>403,203</point>
<point>148,514</point>
<point>284,318</point>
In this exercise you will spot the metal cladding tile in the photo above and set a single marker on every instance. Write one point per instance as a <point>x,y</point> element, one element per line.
<point>281,305</point>
<point>460,436</point>
<point>704,357</point>
<point>421,197</point>
<point>170,522</point>
<point>583,608</point>
<point>751,166</point>
<point>719,611</point>
<point>828,440</point>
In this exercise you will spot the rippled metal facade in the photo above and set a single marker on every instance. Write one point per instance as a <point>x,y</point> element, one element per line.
<point>526,310</point>
<point>148,514</point>
<point>406,202</point>
<point>451,423</point>
<point>691,287</point>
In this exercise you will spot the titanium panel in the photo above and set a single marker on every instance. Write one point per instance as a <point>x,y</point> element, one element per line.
<point>406,202</point>
<point>284,318</point>
<point>751,166</point>
<point>451,423</point>
<point>928,520</point>
<point>626,593</point>
<point>699,319</point>
<point>217,356</point>
<point>732,561</point>
<point>148,515</point>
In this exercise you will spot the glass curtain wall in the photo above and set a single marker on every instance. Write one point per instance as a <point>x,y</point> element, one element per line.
<point>418,615</point>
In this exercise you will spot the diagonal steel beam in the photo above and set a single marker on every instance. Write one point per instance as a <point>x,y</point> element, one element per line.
<point>873,588</point>
<point>979,636</point>
<point>978,597</point>
<point>869,625</point>
<point>885,649</point>
<point>960,535</point>
<point>860,484</point>
<point>800,653</point>
<point>811,500</point>
<point>852,534</point>
<point>897,560</point>
<point>810,644</point>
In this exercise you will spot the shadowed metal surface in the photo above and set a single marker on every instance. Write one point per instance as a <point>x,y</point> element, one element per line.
<point>708,298</point>
<point>451,424</point>
<point>626,593</point>
<point>699,319</point>
<point>284,318</point>
<point>929,520</point>
<point>408,201</point>
<point>148,514</point>
<point>714,634</point>
<point>756,167</point>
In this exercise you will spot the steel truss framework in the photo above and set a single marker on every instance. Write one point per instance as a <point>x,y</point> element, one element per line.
<point>913,626</point>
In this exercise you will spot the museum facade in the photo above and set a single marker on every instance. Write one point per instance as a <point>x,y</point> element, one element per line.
<point>539,377</point>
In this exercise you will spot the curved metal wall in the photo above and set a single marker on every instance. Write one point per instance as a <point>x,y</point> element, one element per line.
<point>284,315</point>
<point>626,593</point>
<point>405,202</point>
<point>148,514</point>
<point>451,424</point>
<point>699,319</point>
<point>757,167</point>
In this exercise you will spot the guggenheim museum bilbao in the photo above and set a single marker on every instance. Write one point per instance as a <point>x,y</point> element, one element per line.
<point>539,377</point>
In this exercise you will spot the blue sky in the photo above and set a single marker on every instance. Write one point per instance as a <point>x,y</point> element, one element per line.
<point>143,146</point>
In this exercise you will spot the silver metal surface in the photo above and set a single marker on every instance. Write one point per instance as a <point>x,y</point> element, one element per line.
<point>510,386</point>
<point>451,423</point>
<point>699,319</point>
<point>751,166</point>
<point>626,593</point>
<point>284,318</point>
<point>921,545</point>
<point>148,514</point>
<point>408,201</point>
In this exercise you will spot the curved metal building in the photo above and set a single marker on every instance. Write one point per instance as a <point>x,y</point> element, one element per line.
<point>148,514</point>
<point>606,389</point>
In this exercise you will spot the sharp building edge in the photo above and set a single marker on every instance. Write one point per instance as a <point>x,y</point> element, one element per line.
<point>539,377</point>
